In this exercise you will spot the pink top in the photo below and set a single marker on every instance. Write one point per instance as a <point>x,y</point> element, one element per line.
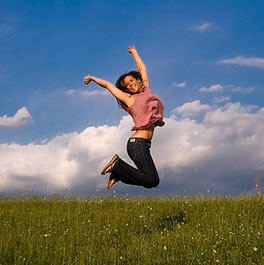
<point>147,110</point>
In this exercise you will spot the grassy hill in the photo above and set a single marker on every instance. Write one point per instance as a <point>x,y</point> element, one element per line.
<point>132,230</point>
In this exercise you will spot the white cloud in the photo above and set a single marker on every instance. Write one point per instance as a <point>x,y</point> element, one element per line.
<point>191,108</point>
<point>221,99</point>
<point>71,92</point>
<point>86,93</point>
<point>21,118</point>
<point>245,61</point>
<point>222,153</point>
<point>202,27</point>
<point>183,84</point>
<point>245,90</point>
<point>65,162</point>
<point>212,88</point>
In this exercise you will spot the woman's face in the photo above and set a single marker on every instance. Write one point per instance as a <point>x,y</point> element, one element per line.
<point>132,84</point>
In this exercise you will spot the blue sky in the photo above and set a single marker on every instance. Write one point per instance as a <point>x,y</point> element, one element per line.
<point>208,54</point>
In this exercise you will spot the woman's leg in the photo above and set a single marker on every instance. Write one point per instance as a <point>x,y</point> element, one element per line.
<point>145,174</point>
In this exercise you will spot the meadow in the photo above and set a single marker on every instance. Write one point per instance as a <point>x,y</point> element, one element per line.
<point>132,230</point>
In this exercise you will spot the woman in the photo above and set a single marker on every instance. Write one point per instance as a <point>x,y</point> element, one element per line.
<point>134,95</point>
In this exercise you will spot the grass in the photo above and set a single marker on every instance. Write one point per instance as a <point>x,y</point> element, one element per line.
<point>171,230</point>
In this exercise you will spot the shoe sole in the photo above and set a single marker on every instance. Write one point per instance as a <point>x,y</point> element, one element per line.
<point>109,164</point>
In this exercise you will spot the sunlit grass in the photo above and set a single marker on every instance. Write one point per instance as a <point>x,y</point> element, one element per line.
<point>181,230</point>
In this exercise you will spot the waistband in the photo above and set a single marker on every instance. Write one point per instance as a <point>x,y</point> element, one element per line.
<point>138,140</point>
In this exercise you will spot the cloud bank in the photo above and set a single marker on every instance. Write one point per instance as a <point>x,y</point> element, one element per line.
<point>21,118</point>
<point>202,27</point>
<point>221,99</point>
<point>191,108</point>
<point>86,92</point>
<point>245,61</point>
<point>222,152</point>
<point>212,88</point>
<point>183,84</point>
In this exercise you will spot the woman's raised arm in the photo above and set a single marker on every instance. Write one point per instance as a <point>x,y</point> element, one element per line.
<point>123,96</point>
<point>141,67</point>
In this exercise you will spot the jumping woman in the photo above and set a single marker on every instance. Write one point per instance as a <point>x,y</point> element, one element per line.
<point>134,96</point>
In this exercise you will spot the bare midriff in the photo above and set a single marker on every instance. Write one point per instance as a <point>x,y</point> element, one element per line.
<point>146,134</point>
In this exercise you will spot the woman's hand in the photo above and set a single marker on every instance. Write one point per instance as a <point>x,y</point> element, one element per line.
<point>87,79</point>
<point>131,49</point>
<point>140,65</point>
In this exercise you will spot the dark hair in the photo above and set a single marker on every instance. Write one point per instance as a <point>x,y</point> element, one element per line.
<point>121,85</point>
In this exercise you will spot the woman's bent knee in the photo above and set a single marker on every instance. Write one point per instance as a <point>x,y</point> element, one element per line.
<point>152,184</point>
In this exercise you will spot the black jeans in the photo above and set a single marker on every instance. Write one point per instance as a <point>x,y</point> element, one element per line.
<point>145,174</point>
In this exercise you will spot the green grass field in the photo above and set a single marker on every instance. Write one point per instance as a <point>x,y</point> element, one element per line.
<point>132,230</point>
